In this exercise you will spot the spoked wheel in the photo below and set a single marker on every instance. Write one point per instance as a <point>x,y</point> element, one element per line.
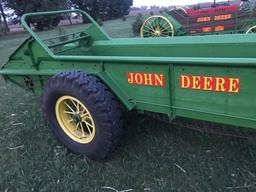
<point>157,26</point>
<point>251,30</point>
<point>182,9</point>
<point>82,113</point>
<point>75,119</point>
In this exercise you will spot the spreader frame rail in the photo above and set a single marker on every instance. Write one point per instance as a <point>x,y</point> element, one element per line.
<point>175,60</point>
<point>41,41</point>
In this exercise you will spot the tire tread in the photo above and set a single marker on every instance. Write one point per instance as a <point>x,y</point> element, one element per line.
<point>102,98</point>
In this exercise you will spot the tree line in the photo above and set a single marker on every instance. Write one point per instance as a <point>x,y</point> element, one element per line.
<point>103,9</point>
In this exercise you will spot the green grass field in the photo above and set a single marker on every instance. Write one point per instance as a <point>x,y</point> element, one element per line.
<point>153,156</point>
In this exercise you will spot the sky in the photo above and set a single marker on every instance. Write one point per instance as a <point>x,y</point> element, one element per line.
<point>138,3</point>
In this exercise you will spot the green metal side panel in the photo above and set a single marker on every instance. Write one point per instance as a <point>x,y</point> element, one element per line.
<point>221,46</point>
<point>231,108</point>
<point>146,97</point>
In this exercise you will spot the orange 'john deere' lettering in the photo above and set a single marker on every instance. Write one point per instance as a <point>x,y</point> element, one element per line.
<point>219,84</point>
<point>206,29</point>
<point>222,17</point>
<point>149,79</point>
<point>203,19</point>
<point>219,28</point>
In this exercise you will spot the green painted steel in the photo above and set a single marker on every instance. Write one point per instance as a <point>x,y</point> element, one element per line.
<point>126,66</point>
<point>176,24</point>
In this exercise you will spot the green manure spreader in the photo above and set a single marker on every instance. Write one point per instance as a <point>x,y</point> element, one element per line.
<point>85,77</point>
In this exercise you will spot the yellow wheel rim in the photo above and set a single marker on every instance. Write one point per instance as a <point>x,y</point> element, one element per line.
<point>75,119</point>
<point>157,26</point>
<point>251,30</point>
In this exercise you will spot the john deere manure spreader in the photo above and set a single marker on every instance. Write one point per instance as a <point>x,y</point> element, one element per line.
<point>84,76</point>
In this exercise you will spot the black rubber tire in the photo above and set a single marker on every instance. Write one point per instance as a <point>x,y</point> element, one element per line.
<point>101,103</point>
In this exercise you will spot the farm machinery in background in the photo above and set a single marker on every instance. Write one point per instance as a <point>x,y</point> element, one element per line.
<point>217,19</point>
<point>84,76</point>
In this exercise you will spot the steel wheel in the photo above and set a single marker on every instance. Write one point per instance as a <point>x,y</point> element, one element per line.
<point>251,30</point>
<point>157,26</point>
<point>181,9</point>
<point>75,119</point>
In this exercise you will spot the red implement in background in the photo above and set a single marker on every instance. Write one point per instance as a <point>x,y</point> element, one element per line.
<point>211,11</point>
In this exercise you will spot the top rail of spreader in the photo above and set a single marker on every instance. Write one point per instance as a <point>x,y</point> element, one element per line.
<point>251,39</point>
<point>25,18</point>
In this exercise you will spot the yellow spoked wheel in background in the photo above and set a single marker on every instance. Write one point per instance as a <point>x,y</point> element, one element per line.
<point>75,119</point>
<point>251,30</point>
<point>157,26</point>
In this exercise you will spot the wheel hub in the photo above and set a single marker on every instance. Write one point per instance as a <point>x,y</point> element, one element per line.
<point>77,118</point>
<point>157,32</point>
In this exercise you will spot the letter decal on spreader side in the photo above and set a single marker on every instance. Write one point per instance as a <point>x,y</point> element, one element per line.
<point>148,79</point>
<point>206,83</point>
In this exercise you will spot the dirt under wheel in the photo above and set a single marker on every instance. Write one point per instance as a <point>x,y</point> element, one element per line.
<point>82,114</point>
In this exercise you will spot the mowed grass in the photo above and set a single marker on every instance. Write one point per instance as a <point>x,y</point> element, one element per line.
<point>152,156</point>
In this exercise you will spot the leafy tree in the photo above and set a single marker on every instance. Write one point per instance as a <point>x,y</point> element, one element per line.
<point>3,24</point>
<point>119,8</point>
<point>105,9</point>
<point>26,6</point>
<point>92,7</point>
<point>137,24</point>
